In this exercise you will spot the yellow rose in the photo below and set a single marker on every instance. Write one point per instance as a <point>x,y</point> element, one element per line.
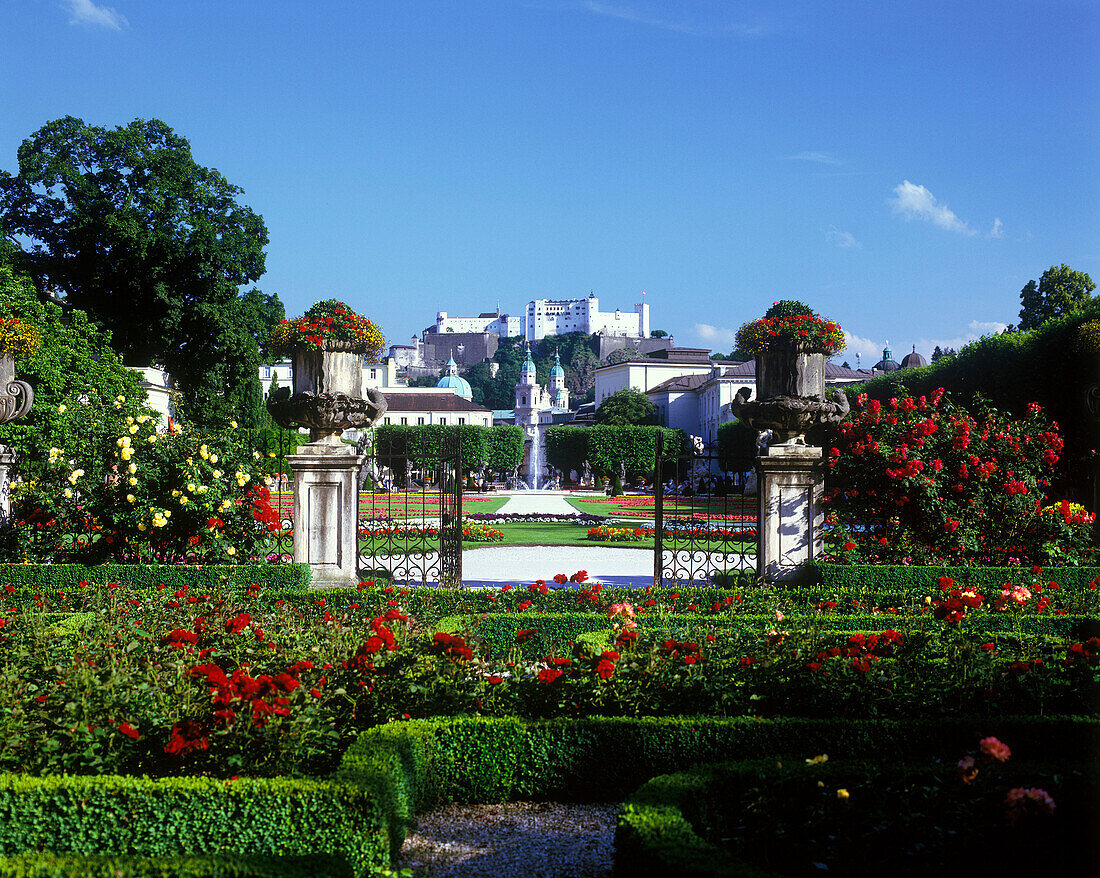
<point>233,424</point>
<point>130,498</point>
<point>129,419</point>
<point>74,475</point>
<point>217,474</point>
<point>131,481</point>
<point>61,409</point>
<point>229,550</point>
<point>133,429</point>
<point>141,525</point>
<point>126,454</point>
<point>132,468</point>
<point>175,493</point>
<point>201,489</point>
<point>213,458</point>
<point>152,438</point>
<point>204,451</point>
<point>120,398</point>
<point>191,487</point>
<point>68,494</point>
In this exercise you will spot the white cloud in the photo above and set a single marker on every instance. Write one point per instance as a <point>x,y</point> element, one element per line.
<point>821,158</point>
<point>652,15</point>
<point>998,230</point>
<point>842,239</point>
<point>870,351</point>
<point>716,335</point>
<point>987,327</point>
<point>916,202</point>
<point>86,12</point>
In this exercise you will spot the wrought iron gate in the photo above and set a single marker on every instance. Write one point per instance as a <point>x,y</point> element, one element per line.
<point>410,508</point>
<point>450,510</point>
<point>705,527</point>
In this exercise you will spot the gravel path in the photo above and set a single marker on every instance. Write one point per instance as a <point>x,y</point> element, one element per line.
<point>522,565</point>
<point>528,839</point>
<point>544,502</point>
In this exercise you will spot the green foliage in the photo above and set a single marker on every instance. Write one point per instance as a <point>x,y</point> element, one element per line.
<point>44,578</point>
<point>853,578</point>
<point>504,447</point>
<point>154,247</point>
<point>736,446</point>
<point>423,445</point>
<point>1060,291</point>
<point>634,447</point>
<point>1011,370</point>
<point>76,376</point>
<point>787,308</point>
<point>240,865</point>
<point>567,447</point>
<point>186,816</point>
<point>626,407</point>
<point>658,333</point>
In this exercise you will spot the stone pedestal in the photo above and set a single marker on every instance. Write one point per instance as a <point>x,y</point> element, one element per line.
<point>791,483</point>
<point>7,461</point>
<point>326,512</point>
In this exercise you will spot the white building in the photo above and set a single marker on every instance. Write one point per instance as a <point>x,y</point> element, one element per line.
<point>494,323</point>
<point>550,317</point>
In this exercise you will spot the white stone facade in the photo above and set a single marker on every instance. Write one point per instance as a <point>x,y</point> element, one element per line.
<point>551,317</point>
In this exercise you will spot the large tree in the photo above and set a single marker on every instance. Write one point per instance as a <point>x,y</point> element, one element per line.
<point>153,246</point>
<point>1060,290</point>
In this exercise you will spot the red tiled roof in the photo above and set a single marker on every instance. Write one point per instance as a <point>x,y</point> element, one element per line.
<point>430,402</point>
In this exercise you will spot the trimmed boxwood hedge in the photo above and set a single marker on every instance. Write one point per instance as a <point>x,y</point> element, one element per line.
<point>45,865</point>
<point>498,630</point>
<point>173,817</point>
<point>199,577</point>
<point>667,826</point>
<point>885,577</point>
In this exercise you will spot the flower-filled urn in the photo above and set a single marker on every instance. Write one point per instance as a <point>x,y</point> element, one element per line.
<point>790,345</point>
<point>327,346</point>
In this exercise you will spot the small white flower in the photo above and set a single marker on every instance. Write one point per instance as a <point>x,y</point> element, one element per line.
<point>61,409</point>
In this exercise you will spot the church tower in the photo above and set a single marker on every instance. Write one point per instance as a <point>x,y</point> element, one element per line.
<point>559,395</point>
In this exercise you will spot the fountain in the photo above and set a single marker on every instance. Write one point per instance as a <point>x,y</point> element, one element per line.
<point>534,464</point>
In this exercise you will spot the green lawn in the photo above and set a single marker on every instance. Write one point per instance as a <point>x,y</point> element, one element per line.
<point>641,507</point>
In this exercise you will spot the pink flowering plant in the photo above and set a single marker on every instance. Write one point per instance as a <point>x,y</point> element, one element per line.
<point>923,481</point>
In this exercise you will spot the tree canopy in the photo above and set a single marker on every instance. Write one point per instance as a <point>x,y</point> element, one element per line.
<point>153,246</point>
<point>1060,290</point>
<point>627,407</point>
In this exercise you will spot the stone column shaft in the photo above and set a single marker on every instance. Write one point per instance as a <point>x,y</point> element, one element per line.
<point>791,482</point>
<point>326,513</point>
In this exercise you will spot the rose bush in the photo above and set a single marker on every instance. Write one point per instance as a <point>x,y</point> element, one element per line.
<point>921,480</point>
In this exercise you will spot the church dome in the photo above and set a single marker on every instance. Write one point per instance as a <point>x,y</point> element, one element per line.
<point>453,379</point>
<point>887,363</point>
<point>913,360</point>
<point>527,372</point>
<point>556,371</point>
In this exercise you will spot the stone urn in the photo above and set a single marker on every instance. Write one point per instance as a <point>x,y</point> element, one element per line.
<point>327,394</point>
<point>790,381</point>
<point>16,397</point>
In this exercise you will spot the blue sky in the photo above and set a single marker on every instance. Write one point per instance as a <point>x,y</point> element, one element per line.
<point>903,167</point>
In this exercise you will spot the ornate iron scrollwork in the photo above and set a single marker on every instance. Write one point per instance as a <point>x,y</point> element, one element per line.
<point>16,401</point>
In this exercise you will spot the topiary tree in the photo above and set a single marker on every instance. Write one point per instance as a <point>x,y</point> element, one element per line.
<point>626,407</point>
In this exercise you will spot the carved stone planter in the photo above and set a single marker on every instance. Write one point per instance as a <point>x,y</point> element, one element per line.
<point>791,401</point>
<point>328,395</point>
<point>327,398</point>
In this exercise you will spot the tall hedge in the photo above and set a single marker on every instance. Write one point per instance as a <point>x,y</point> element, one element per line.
<point>423,444</point>
<point>606,447</point>
<point>504,447</point>
<point>736,446</point>
<point>567,447</point>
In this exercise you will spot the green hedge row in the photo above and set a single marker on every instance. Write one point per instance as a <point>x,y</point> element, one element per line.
<point>46,865</point>
<point>885,577</point>
<point>558,631</point>
<point>499,630</point>
<point>672,824</point>
<point>174,817</point>
<point>65,577</point>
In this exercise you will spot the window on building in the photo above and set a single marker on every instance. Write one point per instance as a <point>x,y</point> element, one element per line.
<point>462,420</point>
<point>442,420</point>
<point>385,420</point>
<point>404,422</point>
<point>420,421</point>
<point>267,371</point>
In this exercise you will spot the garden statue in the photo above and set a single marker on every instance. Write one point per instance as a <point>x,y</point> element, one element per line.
<point>790,345</point>
<point>328,345</point>
<point>17,339</point>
